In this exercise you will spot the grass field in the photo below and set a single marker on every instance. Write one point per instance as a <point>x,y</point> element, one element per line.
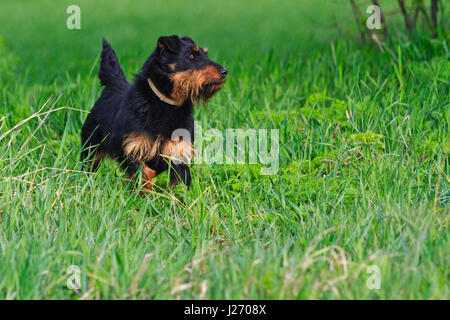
<point>364,165</point>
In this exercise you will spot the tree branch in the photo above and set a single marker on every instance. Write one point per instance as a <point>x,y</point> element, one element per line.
<point>358,18</point>
<point>408,24</point>
<point>434,11</point>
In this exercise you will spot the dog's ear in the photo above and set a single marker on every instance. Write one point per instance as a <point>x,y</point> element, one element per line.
<point>186,38</point>
<point>171,43</point>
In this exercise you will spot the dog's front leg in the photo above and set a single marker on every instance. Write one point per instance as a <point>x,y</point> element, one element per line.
<point>132,166</point>
<point>180,173</point>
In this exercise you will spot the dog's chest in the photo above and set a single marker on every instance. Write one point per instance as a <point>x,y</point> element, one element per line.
<point>142,147</point>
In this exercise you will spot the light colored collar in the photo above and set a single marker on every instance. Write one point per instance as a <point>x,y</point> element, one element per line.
<point>161,96</point>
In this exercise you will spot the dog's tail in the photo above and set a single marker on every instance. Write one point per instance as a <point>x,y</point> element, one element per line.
<point>110,73</point>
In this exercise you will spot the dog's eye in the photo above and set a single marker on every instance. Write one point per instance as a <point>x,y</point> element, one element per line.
<point>191,56</point>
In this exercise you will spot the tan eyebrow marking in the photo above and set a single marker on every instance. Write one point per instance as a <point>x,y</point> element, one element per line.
<point>205,49</point>
<point>195,49</point>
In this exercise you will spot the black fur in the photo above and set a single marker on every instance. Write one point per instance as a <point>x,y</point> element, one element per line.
<point>125,107</point>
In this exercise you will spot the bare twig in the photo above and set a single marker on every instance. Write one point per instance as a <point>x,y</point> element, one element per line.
<point>416,14</point>
<point>434,12</point>
<point>442,15</point>
<point>358,18</point>
<point>408,24</point>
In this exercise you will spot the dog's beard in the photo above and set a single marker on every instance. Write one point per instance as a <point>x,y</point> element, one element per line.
<point>196,85</point>
<point>206,92</point>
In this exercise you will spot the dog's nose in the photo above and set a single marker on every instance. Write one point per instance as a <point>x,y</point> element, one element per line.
<point>223,72</point>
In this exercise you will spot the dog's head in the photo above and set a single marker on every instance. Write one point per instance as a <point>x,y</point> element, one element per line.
<point>182,69</point>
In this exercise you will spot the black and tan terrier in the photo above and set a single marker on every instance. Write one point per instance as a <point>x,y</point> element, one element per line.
<point>133,122</point>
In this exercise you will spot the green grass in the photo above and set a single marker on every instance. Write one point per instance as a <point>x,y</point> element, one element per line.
<point>364,165</point>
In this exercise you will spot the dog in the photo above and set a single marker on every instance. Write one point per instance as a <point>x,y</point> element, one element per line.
<point>133,122</point>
